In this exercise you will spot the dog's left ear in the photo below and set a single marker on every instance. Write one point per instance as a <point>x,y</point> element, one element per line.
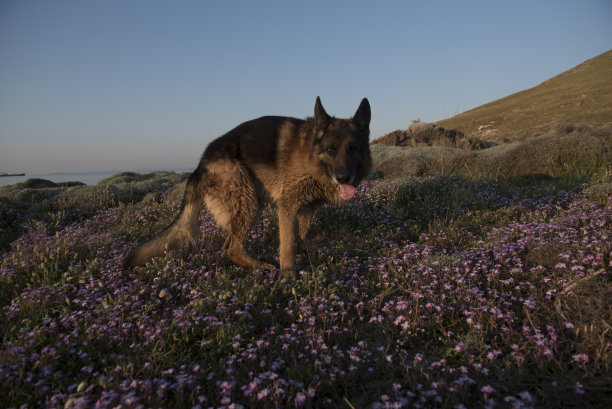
<point>363,115</point>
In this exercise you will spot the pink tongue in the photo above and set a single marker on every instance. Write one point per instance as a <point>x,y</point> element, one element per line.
<point>346,191</point>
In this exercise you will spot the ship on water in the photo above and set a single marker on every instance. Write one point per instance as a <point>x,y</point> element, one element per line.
<point>11,174</point>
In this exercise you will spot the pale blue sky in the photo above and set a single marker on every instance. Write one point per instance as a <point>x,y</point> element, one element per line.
<point>121,85</point>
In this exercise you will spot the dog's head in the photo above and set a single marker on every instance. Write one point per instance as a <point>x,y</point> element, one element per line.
<point>342,147</point>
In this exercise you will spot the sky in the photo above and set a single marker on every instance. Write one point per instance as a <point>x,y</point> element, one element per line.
<point>119,85</point>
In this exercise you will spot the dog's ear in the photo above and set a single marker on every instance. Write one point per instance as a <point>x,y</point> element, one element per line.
<point>321,117</point>
<point>363,115</point>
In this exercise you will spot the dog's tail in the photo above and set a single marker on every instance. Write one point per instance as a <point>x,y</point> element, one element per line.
<point>185,228</point>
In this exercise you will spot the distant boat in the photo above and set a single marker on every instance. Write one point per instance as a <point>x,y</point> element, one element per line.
<point>12,174</point>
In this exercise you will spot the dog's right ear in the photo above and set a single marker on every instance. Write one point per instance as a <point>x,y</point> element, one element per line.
<point>321,118</point>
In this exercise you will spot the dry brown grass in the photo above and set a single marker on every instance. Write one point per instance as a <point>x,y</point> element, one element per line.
<point>581,95</point>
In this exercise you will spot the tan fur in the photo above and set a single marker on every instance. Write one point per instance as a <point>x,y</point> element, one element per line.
<point>297,164</point>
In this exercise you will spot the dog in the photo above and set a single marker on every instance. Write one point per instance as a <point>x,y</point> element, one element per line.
<point>297,164</point>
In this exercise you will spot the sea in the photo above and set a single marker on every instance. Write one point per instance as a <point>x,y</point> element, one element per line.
<point>89,178</point>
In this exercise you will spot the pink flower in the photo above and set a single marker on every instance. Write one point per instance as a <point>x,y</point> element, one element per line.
<point>487,390</point>
<point>580,358</point>
<point>263,393</point>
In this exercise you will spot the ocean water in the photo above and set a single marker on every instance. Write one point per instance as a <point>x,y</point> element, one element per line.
<point>89,178</point>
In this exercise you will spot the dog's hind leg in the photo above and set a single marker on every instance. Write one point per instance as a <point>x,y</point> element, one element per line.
<point>233,202</point>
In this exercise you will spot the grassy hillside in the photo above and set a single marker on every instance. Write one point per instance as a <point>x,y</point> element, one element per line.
<point>581,95</point>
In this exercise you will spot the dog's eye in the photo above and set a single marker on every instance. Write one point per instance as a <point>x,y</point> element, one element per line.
<point>353,149</point>
<point>331,150</point>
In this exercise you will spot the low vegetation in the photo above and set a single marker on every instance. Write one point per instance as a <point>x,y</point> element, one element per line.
<point>578,153</point>
<point>43,205</point>
<point>453,279</point>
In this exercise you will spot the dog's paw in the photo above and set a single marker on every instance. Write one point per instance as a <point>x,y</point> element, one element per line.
<point>264,266</point>
<point>289,273</point>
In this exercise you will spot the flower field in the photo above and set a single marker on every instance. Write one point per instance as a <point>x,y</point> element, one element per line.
<point>439,292</point>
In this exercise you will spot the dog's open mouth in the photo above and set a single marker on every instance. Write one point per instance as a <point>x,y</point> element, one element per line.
<point>346,191</point>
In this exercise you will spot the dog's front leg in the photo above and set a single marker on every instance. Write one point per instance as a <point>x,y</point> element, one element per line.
<point>287,220</point>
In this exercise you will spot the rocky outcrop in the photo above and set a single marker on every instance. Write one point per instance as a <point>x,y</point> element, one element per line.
<point>429,134</point>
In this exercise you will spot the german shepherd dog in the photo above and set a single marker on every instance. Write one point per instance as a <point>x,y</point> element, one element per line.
<point>298,164</point>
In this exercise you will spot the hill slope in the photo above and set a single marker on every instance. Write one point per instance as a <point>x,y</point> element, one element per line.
<point>582,94</point>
